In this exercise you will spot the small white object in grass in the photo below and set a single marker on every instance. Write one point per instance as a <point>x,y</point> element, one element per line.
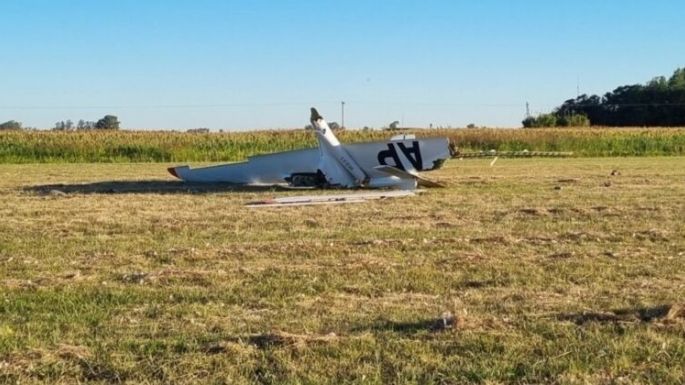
<point>447,319</point>
<point>493,161</point>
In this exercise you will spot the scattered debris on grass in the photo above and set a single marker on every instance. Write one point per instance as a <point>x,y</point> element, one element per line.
<point>57,193</point>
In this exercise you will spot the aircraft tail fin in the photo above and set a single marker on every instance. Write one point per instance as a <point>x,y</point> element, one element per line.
<point>315,116</point>
<point>338,167</point>
<point>420,180</point>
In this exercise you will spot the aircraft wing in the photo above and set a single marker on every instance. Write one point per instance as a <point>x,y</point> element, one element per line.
<point>264,169</point>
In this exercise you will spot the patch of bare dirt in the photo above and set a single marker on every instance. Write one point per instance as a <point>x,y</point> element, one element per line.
<point>654,235</point>
<point>497,239</point>
<point>660,313</point>
<point>169,276</point>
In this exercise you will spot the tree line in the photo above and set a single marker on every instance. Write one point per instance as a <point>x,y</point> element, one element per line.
<point>108,122</point>
<point>660,102</point>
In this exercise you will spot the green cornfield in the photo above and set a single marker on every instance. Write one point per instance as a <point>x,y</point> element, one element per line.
<point>167,146</point>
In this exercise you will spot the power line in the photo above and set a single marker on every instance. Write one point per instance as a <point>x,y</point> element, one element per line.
<point>238,105</point>
<point>268,104</point>
<point>152,106</point>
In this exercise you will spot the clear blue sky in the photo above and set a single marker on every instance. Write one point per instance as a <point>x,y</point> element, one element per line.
<point>261,64</point>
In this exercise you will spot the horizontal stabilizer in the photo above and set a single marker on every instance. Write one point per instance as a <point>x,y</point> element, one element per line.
<point>421,181</point>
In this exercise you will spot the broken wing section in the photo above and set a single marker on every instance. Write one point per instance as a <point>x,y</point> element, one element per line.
<point>267,169</point>
<point>329,199</point>
<point>413,176</point>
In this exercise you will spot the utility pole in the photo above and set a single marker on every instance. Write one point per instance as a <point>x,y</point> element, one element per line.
<point>527,110</point>
<point>342,119</point>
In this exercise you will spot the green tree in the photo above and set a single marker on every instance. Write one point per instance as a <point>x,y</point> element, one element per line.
<point>109,122</point>
<point>677,80</point>
<point>546,120</point>
<point>543,120</point>
<point>529,122</point>
<point>659,102</point>
<point>85,125</point>
<point>573,120</point>
<point>10,125</point>
<point>394,125</point>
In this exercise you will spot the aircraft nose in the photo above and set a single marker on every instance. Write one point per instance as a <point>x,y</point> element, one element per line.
<point>172,171</point>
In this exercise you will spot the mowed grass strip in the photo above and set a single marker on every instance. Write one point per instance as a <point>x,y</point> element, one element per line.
<point>161,146</point>
<point>543,270</point>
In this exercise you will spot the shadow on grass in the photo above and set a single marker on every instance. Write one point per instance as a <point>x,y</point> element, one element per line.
<point>409,327</point>
<point>146,187</point>
<point>640,314</point>
<point>260,341</point>
<point>277,339</point>
<point>265,341</point>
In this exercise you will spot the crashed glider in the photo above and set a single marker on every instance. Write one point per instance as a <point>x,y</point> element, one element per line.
<point>395,163</point>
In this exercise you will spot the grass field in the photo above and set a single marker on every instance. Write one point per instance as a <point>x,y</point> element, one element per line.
<point>554,271</point>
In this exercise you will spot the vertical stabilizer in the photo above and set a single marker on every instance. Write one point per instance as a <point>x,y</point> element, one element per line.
<point>336,163</point>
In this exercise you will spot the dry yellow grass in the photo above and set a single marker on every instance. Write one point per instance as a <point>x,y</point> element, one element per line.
<point>553,270</point>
